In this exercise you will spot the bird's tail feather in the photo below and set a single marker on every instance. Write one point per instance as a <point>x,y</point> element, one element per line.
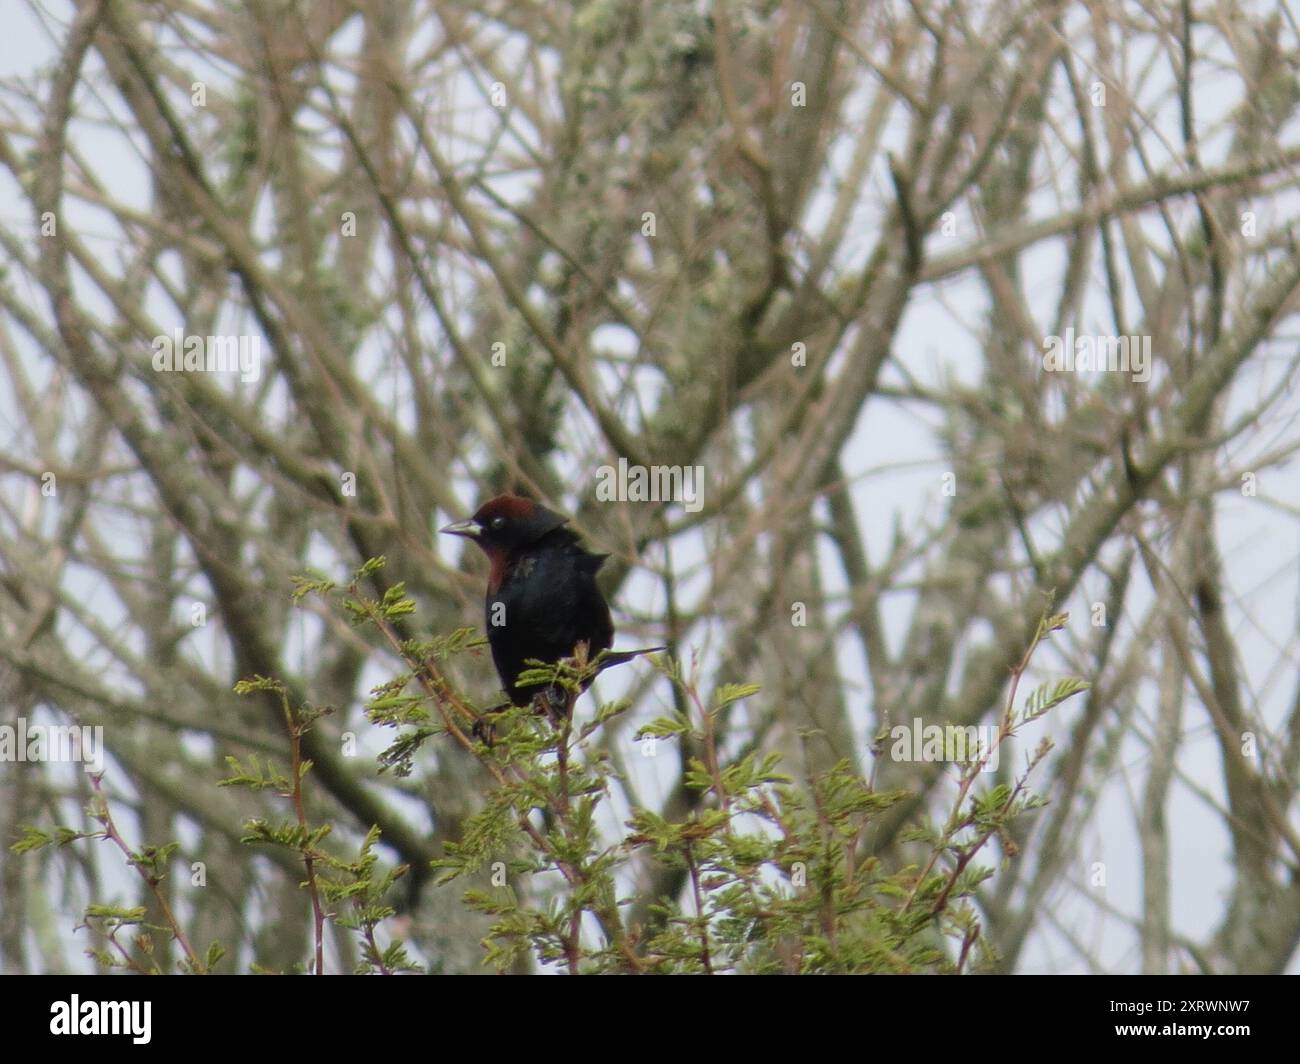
<point>609,658</point>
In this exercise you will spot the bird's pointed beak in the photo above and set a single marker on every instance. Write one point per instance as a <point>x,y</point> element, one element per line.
<point>470,528</point>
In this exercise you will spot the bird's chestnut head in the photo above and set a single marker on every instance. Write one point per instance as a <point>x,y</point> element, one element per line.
<point>506,523</point>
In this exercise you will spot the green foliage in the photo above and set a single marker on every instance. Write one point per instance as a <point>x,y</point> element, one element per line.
<point>35,839</point>
<point>775,874</point>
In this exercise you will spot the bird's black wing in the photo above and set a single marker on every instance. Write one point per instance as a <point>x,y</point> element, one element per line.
<point>551,603</point>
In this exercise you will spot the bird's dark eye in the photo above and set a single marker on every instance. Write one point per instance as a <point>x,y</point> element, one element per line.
<point>497,524</point>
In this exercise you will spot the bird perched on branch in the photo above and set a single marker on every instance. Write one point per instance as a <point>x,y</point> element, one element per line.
<point>542,598</point>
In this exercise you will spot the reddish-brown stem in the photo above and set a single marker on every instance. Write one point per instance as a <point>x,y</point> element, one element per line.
<point>699,909</point>
<point>308,859</point>
<point>151,881</point>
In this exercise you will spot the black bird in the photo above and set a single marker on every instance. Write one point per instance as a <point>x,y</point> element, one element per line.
<point>542,597</point>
